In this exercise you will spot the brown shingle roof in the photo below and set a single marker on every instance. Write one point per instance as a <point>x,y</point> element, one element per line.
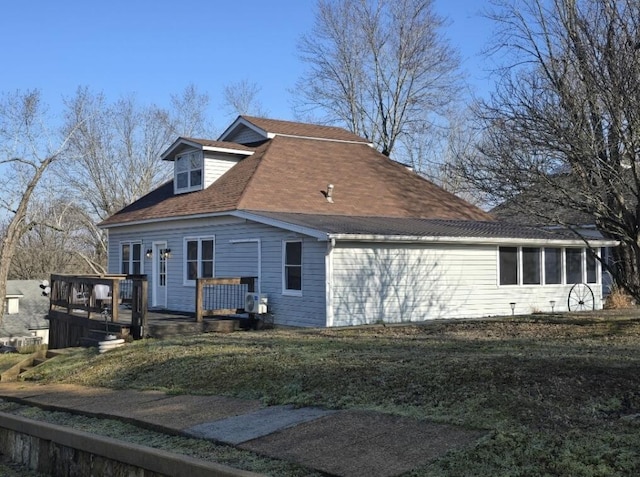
<point>290,128</point>
<point>289,174</point>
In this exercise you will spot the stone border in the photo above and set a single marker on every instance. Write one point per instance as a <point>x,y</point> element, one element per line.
<point>37,444</point>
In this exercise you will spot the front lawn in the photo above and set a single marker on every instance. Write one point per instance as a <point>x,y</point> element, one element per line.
<point>560,394</point>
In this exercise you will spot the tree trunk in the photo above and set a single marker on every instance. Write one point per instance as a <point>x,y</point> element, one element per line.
<point>626,272</point>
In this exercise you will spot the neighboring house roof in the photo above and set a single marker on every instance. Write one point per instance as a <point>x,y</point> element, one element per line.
<point>33,309</point>
<point>532,209</point>
<point>291,174</point>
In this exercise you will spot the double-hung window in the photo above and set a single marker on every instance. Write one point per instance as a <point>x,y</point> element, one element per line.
<point>292,267</point>
<point>188,172</point>
<point>199,258</point>
<point>131,258</point>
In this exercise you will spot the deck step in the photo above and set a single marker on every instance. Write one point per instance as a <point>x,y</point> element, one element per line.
<point>168,329</point>
<point>87,342</point>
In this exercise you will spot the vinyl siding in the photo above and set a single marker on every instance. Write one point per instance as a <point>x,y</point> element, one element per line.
<point>235,259</point>
<point>215,166</point>
<point>394,283</point>
<point>245,136</point>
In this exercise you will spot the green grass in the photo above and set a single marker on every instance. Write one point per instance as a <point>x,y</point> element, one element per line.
<point>560,395</point>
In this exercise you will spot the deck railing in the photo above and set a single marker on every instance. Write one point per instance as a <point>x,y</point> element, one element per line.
<point>222,296</point>
<point>76,302</point>
<point>86,294</point>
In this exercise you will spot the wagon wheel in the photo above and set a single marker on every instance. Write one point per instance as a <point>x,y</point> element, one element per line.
<point>581,298</point>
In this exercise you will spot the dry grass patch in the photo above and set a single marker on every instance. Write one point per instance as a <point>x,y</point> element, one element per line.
<point>619,300</point>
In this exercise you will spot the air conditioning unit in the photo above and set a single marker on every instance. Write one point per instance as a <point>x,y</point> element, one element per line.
<point>254,303</point>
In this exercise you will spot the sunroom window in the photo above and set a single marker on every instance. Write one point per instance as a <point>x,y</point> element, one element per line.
<point>531,266</point>
<point>508,265</point>
<point>574,265</point>
<point>528,266</point>
<point>188,171</point>
<point>592,274</point>
<point>553,266</point>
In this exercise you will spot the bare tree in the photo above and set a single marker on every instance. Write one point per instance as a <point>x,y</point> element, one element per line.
<point>56,242</point>
<point>114,158</point>
<point>380,67</point>
<point>562,129</point>
<point>114,155</point>
<point>242,98</point>
<point>187,115</point>
<point>27,150</point>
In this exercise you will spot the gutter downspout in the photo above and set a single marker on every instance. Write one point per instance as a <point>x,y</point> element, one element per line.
<point>328,272</point>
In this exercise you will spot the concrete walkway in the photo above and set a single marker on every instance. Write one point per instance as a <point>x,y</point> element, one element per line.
<point>341,443</point>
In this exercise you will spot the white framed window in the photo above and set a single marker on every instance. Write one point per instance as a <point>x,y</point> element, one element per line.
<point>131,258</point>
<point>188,172</point>
<point>199,258</point>
<point>292,267</point>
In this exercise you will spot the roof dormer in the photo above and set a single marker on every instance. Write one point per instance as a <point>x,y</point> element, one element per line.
<point>198,163</point>
<point>252,130</point>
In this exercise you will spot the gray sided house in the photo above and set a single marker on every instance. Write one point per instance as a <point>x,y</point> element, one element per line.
<point>25,317</point>
<point>337,233</point>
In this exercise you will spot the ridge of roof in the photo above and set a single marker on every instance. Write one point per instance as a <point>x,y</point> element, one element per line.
<point>269,128</point>
<point>223,144</point>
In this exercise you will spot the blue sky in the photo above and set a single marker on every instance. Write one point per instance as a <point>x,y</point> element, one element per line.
<point>153,48</point>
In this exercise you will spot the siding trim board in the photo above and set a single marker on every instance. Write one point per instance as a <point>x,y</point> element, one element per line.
<point>408,239</point>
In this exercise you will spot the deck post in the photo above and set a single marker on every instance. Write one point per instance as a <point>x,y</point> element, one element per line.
<point>115,297</point>
<point>199,300</point>
<point>139,295</point>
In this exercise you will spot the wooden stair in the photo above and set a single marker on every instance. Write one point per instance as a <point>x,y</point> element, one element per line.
<point>31,361</point>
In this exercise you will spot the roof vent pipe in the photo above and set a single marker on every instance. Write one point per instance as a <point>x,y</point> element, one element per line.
<point>329,193</point>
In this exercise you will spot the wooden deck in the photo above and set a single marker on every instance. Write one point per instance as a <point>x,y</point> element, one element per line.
<point>160,324</point>
<point>79,315</point>
<point>163,323</point>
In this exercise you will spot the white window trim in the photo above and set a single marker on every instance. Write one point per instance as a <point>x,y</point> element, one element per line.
<point>286,291</point>
<point>199,239</point>
<point>131,243</point>
<point>189,188</point>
